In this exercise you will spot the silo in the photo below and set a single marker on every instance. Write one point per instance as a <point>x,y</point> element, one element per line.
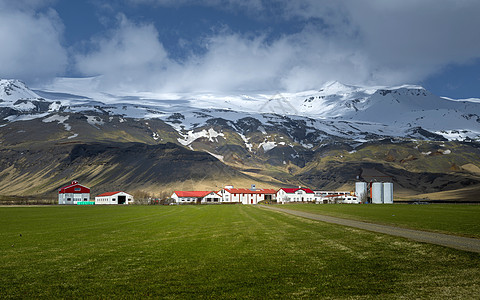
<point>360,190</point>
<point>388,192</point>
<point>377,193</point>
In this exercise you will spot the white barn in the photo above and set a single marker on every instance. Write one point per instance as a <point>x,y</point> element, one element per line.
<point>73,193</point>
<point>114,198</point>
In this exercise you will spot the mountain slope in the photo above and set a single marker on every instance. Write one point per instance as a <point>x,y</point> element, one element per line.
<point>324,139</point>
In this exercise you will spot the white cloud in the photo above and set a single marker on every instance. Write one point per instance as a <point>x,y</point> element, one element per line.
<point>129,55</point>
<point>404,41</point>
<point>30,42</point>
<point>356,42</point>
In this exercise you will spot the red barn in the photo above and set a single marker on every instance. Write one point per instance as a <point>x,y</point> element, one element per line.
<point>72,193</point>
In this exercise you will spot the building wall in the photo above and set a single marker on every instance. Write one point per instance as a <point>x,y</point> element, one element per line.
<point>297,196</point>
<point>113,199</point>
<point>72,198</point>
<point>212,198</point>
<point>244,198</point>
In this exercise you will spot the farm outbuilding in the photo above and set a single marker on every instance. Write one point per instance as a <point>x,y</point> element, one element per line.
<point>73,193</point>
<point>119,197</point>
<point>198,197</point>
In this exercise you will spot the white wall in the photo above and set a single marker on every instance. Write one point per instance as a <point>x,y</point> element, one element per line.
<point>113,199</point>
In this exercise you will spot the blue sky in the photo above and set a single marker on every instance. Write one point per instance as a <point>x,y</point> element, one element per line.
<point>234,46</point>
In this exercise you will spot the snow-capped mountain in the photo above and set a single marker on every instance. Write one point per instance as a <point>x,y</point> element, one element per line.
<point>325,137</point>
<point>350,112</point>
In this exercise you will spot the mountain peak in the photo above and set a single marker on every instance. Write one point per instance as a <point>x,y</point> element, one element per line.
<point>13,89</point>
<point>336,87</point>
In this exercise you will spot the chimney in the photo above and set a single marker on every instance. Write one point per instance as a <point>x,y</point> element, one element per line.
<point>252,188</point>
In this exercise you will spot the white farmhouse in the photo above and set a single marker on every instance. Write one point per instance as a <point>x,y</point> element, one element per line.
<point>113,198</point>
<point>285,195</point>
<point>247,196</point>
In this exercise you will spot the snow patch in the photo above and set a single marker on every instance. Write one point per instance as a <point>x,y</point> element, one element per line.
<point>14,118</point>
<point>59,119</point>
<point>217,156</point>
<point>55,106</point>
<point>305,145</point>
<point>94,121</point>
<point>267,146</point>
<point>191,136</point>
<point>24,106</point>
<point>245,140</point>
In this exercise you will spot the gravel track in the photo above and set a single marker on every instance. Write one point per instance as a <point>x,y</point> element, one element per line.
<point>447,240</point>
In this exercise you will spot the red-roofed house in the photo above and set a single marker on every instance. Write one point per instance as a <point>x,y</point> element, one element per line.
<point>295,195</point>
<point>73,193</point>
<point>185,197</point>
<point>247,196</point>
<point>114,198</point>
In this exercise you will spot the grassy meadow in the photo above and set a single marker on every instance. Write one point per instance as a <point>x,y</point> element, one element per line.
<point>455,219</point>
<point>217,251</point>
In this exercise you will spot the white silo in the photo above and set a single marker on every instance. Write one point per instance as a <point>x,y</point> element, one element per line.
<point>377,193</point>
<point>388,192</point>
<point>360,189</point>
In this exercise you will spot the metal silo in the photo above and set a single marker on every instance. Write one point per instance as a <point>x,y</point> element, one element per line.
<point>388,192</point>
<point>377,193</point>
<point>360,190</point>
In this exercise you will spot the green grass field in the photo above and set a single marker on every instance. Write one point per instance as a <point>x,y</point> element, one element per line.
<point>455,219</point>
<point>224,251</point>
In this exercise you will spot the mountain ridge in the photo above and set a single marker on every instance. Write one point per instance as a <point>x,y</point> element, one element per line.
<point>270,141</point>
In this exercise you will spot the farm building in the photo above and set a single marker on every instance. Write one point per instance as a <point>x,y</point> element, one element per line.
<point>337,198</point>
<point>198,197</point>
<point>376,192</point>
<point>247,196</point>
<point>326,193</point>
<point>114,198</point>
<point>295,195</point>
<point>73,193</point>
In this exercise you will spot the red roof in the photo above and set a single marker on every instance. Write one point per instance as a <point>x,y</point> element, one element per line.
<point>337,195</point>
<point>74,188</point>
<point>293,190</point>
<point>248,191</point>
<point>109,194</point>
<point>193,194</point>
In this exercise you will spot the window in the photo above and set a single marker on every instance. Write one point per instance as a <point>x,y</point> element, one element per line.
<point>78,189</point>
<point>69,199</point>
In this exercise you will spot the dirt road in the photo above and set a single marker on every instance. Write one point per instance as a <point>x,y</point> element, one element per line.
<point>452,241</point>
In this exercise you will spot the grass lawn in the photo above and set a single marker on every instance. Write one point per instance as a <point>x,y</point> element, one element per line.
<point>447,218</point>
<point>221,251</point>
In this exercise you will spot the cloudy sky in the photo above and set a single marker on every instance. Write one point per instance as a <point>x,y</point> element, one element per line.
<point>244,45</point>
